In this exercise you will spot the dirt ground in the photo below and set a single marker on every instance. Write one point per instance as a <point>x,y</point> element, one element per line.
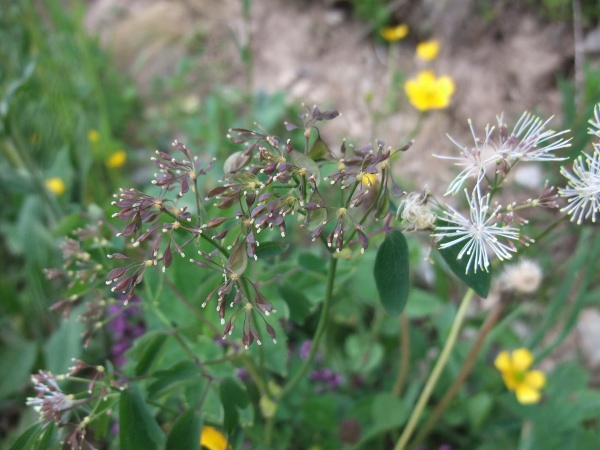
<point>317,53</point>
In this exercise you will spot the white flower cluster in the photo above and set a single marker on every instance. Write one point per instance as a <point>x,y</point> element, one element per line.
<point>583,184</point>
<point>490,229</point>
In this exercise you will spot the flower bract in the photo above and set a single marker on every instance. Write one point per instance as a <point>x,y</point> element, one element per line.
<point>514,367</point>
<point>426,91</point>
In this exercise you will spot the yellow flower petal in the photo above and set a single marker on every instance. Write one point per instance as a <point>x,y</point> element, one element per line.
<point>56,186</point>
<point>535,379</point>
<point>428,50</point>
<point>502,361</point>
<point>522,359</point>
<point>213,439</point>
<point>392,34</point>
<point>527,395</point>
<point>116,160</point>
<point>510,380</point>
<point>425,91</point>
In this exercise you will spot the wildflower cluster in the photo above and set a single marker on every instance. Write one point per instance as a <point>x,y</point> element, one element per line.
<point>495,229</point>
<point>263,184</point>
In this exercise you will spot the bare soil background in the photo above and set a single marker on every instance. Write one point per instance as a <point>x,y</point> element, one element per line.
<point>318,53</point>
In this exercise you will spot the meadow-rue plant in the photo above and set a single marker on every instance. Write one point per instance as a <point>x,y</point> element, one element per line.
<point>428,50</point>
<point>427,91</point>
<point>479,234</point>
<point>583,183</point>
<point>212,278</point>
<point>515,369</point>
<point>500,150</point>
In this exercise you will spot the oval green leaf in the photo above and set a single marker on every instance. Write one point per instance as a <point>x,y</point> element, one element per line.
<point>185,434</point>
<point>391,272</point>
<point>137,427</point>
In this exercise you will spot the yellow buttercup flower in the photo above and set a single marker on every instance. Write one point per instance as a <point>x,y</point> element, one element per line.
<point>428,50</point>
<point>213,439</point>
<point>514,367</point>
<point>393,34</point>
<point>116,159</point>
<point>93,136</point>
<point>426,91</point>
<point>56,186</point>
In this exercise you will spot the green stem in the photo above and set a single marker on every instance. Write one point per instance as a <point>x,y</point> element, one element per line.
<point>318,333</point>
<point>404,355</point>
<point>313,350</point>
<point>436,372</point>
<point>465,371</point>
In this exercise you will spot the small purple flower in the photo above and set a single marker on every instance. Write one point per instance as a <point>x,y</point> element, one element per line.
<point>305,349</point>
<point>126,325</point>
<point>326,379</point>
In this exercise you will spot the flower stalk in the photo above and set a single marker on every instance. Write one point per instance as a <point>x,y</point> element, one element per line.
<point>436,372</point>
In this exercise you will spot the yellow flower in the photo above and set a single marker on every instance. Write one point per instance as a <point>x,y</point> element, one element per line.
<point>56,186</point>
<point>93,136</point>
<point>116,159</point>
<point>393,34</point>
<point>428,50</point>
<point>427,92</point>
<point>213,439</point>
<point>526,384</point>
<point>368,179</point>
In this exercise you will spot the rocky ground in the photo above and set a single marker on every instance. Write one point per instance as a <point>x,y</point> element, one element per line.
<point>507,62</point>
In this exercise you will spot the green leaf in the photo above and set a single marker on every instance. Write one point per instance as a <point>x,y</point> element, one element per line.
<point>17,359</point>
<point>319,150</point>
<point>185,434</point>
<point>238,260</point>
<point>422,304</point>
<point>137,428</point>
<point>388,412</point>
<point>233,396</point>
<point>312,263</point>
<point>317,217</point>
<point>48,439</point>
<point>297,302</point>
<point>306,162</point>
<point>391,272</point>
<point>268,249</point>
<point>28,439</point>
<point>146,350</point>
<point>65,343</point>
<point>364,356</point>
<point>175,376</point>
<point>478,281</point>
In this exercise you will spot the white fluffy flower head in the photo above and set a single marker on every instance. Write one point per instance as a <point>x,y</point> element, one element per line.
<point>478,234</point>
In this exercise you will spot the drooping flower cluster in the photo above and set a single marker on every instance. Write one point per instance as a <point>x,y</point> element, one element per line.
<point>263,184</point>
<point>495,230</point>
